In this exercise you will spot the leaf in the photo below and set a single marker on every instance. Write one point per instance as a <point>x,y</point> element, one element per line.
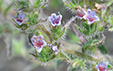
<point>109,66</point>
<point>100,28</point>
<point>16,24</point>
<point>79,28</point>
<point>73,1</point>
<point>76,62</point>
<point>88,45</point>
<point>57,32</point>
<point>74,39</point>
<point>109,3</point>
<point>66,4</point>
<point>23,5</point>
<point>23,26</point>
<point>93,28</point>
<point>37,2</point>
<point>102,48</point>
<point>46,54</point>
<point>86,28</point>
<point>73,6</point>
<point>111,20</point>
<point>110,29</point>
<point>33,19</point>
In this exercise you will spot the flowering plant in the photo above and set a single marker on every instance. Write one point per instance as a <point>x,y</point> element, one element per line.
<point>83,52</point>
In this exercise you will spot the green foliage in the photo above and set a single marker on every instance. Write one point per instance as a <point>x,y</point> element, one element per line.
<point>110,29</point>
<point>90,45</point>
<point>67,51</point>
<point>102,48</point>
<point>33,19</point>
<point>77,64</point>
<point>46,55</point>
<point>100,28</point>
<point>37,3</point>
<point>70,4</point>
<point>74,39</point>
<point>58,32</point>
<point>87,29</point>
<point>110,66</point>
<point>22,5</point>
<point>22,27</point>
<point>111,20</point>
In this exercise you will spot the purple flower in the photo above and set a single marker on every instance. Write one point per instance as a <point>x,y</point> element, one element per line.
<point>38,42</point>
<point>101,66</point>
<point>55,19</point>
<point>53,48</point>
<point>19,18</point>
<point>80,13</point>
<point>91,17</point>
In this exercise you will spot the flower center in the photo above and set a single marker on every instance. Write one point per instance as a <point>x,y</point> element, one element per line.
<point>19,20</point>
<point>38,44</point>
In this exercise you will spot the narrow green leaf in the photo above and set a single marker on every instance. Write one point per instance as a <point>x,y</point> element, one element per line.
<point>79,28</point>
<point>75,39</point>
<point>102,48</point>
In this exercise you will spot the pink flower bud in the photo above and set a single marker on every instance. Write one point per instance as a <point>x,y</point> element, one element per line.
<point>53,48</point>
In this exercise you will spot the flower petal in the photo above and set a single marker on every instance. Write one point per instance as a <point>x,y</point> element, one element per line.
<point>44,43</point>
<point>93,13</point>
<point>85,16</point>
<point>21,15</point>
<point>39,49</point>
<point>88,11</point>
<point>90,22</point>
<point>96,18</point>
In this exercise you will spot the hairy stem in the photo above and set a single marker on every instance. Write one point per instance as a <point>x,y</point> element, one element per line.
<point>78,33</point>
<point>79,54</point>
<point>69,22</point>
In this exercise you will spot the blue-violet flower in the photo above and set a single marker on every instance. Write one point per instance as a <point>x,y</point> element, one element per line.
<point>101,66</point>
<point>55,19</point>
<point>91,17</point>
<point>19,18</point>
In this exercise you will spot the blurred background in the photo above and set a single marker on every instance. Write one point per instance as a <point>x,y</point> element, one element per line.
<point>14,45</point>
